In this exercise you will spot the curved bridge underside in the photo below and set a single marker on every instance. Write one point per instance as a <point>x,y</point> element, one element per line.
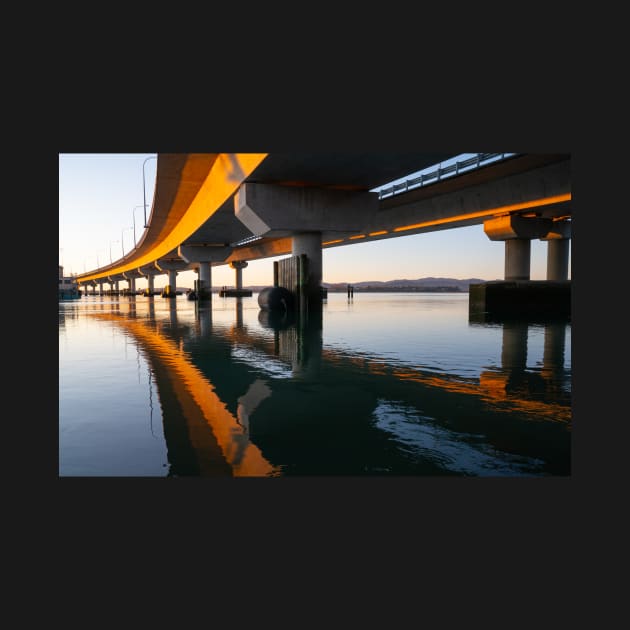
<point>195,197</point>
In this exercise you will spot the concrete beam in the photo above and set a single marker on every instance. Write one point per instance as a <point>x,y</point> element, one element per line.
<point>172,265</point>
<point>269,210</point>
<point>558,230</point>
<point>515,226</point>
<point>201,253</point>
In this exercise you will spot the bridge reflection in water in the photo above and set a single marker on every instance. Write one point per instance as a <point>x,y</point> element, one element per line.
<point>274,399</point>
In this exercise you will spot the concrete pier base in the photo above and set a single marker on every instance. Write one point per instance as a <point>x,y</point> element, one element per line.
<point>542,299</point>
<point>235,293</point>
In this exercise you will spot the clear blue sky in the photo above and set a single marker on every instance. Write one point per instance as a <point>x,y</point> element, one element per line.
<point>101,194</point>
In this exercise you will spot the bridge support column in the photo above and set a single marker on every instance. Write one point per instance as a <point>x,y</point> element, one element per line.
<point>130,277</point>
<point>238,266</point>
<point>149,273</point>
<point>558,241</point>
<point>172,280</point>
<point>309,244</point>
<point>204,288</point>
<point>305,213</point>
<point>517,232</point>
<point>171,267</point>
<point>558,259</point>
<point>204,256</point>
<point>517,258</point>
<point>517,295</point>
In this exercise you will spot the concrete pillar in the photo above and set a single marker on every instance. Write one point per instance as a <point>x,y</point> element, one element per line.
<point>148,273</point>
<point>517,232</point>
<point>517,258</point>
<point>558,259</point>
<point>205,281</point>
<point>171,267</point>
<point>238,266</point>
<point>132,284</point>
<point>558,242</point>
<point>310,244</point>
<point>203,256</point>
<point>172,275</point>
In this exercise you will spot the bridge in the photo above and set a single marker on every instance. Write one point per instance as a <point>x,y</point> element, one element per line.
<point>217,209</point>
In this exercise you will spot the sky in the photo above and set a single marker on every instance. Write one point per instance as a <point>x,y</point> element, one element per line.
<point>101,210</point>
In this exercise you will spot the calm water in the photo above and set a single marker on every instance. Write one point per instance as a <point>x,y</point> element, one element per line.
<point>387,384</point>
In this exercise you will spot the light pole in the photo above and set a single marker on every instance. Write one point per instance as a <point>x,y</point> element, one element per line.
<point>144,190</point>
<point>122,242</point>
<point>110,251</point>
<point>134,224</point>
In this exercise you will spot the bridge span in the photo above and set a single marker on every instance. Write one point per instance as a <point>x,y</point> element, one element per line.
<point>216,208</point>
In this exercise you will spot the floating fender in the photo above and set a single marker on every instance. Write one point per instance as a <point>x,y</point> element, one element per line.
<point>276,299</point>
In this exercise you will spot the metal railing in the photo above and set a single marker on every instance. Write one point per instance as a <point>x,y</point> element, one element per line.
<point>431,177</point>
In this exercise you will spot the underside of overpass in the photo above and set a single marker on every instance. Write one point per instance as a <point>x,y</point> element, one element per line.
<point>239,207</point>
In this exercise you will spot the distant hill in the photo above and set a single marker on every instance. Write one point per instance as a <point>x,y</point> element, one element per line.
<point>420,284</point>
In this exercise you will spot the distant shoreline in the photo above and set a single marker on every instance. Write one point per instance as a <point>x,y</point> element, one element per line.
<point>399,290</point>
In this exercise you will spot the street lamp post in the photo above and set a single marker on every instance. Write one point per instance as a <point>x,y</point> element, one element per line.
<point>144,190</point>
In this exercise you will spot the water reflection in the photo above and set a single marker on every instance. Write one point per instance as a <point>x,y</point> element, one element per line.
<point>270,398</point>
<point>202,436</point>
<point>298,340</point>
<point>544,392</point>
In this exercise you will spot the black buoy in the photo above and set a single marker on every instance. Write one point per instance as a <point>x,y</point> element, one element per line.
<point>276,299</point>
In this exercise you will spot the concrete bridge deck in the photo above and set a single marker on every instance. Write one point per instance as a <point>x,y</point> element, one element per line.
<point>193,204</point>
<point>216,209</point>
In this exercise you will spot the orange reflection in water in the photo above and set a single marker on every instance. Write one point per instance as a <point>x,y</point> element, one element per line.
<point>196,394</point>
<point>492,388</point>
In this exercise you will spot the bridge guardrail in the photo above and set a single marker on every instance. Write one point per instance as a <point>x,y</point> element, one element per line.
<point>480,159</point>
